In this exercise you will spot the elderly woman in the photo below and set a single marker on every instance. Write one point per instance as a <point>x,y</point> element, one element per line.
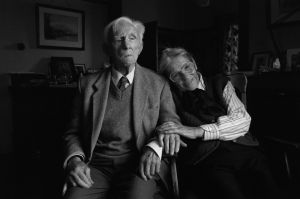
<point>215,127</point>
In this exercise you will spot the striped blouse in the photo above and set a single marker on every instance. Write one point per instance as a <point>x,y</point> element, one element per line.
<point>231,126</point>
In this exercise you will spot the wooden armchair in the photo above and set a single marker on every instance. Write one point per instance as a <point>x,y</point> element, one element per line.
<point>239,82</point>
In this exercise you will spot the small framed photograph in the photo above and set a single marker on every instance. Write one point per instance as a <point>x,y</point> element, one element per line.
<point>261,61</point>
<point>293,59</point>
<point>80,69</point>
<point>62,70</point>
<point>59,27</point>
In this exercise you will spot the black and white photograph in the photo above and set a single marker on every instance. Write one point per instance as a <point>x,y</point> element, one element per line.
<point>160,99</point>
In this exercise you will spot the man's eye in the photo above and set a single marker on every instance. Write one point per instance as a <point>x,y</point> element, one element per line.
<point>132,37</point>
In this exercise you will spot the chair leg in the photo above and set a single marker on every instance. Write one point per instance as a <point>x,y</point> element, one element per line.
<point>174,178</point>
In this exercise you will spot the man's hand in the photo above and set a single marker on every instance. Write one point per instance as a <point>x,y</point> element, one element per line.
<point>79,173</point>
<point>149,164</point>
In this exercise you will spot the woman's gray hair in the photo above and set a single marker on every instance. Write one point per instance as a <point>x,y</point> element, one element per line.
<point>111,27</point>
<point>167,55</point>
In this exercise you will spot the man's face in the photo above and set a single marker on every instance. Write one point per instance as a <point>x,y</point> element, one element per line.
<point>126,45</point>
<point>183,73</point>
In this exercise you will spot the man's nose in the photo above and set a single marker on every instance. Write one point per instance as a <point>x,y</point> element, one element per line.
<point>125,43</point>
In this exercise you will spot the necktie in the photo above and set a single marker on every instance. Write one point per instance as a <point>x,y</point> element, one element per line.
<point>122,84</point>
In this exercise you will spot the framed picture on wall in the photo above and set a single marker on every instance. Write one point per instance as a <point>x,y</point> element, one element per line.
<point>283,12</point>
<point>59,27</point>
<point>261,61</point>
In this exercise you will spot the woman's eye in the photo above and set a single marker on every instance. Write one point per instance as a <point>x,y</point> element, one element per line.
<point>186,67</point>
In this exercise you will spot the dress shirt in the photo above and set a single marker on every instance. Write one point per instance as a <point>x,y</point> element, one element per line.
<point>231,126</point>
<point>116,76</point>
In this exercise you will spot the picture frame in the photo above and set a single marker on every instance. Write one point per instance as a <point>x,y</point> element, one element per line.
<point>261,61</point>
<point>80,69</point>
<point>283,12</point>
<point>293,59</point>
<point>62,70</point>
<point>59,28</point>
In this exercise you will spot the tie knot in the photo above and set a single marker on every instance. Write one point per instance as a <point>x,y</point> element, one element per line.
<point>123,83</point>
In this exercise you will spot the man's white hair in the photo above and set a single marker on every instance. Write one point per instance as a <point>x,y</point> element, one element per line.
<point>111,28</point>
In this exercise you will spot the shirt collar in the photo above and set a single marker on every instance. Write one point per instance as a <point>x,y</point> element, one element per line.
<point>116,76</point>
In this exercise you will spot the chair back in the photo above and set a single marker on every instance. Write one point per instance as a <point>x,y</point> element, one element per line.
<point>239,82</point>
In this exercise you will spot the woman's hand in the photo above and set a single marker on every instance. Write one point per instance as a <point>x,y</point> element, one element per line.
<point>185,131</point>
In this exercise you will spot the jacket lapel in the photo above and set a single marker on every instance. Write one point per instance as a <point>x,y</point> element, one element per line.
<point>140,95</point>
<point>99,101</point>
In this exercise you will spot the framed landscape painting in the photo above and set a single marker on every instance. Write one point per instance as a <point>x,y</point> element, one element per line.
<point>59,27</point>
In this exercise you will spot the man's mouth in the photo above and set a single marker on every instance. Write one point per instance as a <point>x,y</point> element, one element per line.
<point>128,55</point>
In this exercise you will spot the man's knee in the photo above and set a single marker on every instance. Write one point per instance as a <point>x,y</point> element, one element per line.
<point>141,189</point>
<point>84,193</point>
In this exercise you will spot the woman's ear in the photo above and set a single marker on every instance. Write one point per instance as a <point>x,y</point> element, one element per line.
<point>196,67</point>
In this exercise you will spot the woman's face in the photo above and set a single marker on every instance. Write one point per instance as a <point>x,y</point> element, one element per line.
<point>183,73</point>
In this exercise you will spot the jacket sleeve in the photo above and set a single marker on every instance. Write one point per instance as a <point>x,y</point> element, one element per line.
<point>167,113</point>
<point>167,110</point>
<point>72,140</point>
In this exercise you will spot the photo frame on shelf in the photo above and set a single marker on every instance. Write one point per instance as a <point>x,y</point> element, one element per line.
<point>59,27</point>
<point>283,12</point>
<point>62,70</point>
<point>293,59</point>
<point>261,61</point>
<point>80,69</point>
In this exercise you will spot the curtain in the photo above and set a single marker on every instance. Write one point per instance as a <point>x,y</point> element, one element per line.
<point>231,48</point>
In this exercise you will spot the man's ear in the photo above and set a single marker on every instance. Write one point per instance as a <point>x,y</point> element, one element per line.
<point>141,47</point>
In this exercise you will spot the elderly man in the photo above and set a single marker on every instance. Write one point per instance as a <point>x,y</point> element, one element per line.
<point>221,153</point>
<point>111,134</point>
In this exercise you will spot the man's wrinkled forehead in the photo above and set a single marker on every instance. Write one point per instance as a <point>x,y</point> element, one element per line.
<point>123,27</point>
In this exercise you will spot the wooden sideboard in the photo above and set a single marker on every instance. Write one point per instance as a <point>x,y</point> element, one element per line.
<point>40,114</point>
<point>273,101</point>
